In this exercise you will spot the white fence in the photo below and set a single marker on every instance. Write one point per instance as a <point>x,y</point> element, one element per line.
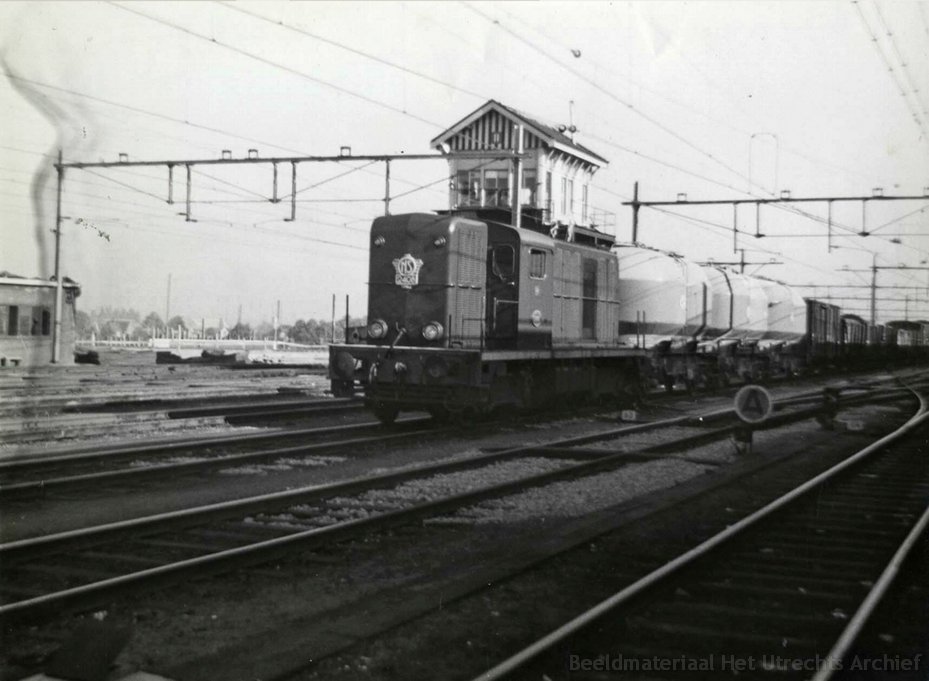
<point>199,344</point>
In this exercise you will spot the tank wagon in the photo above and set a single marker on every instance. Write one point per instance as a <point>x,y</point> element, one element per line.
<point>466,314</point>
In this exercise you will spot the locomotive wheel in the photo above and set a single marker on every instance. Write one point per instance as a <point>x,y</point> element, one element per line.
<point>386,413</point>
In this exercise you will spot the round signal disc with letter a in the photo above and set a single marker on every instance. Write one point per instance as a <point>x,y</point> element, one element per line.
<point>753,404</point>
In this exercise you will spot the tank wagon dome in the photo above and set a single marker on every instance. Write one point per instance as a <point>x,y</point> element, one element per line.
<point>786,313</point>
<point>749,309</point>
<point>662,297</point>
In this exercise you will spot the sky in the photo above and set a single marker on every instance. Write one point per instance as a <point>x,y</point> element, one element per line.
<point>716,100</point>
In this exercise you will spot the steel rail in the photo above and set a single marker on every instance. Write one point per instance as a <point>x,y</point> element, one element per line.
<point>36,486</point>
<point>559,635</point>
<point>13,429</point>
<point>259,551</point>
<point>211,462</point>
<point>171,444</point>
<point>857,623</point>
<point>226,508</point>
<point>259,409</point>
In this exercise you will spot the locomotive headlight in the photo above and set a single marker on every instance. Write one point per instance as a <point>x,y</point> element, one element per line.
<point>433,331</point>
<point>379,241</point>
<point>439,242</point>
<point>377,329</point>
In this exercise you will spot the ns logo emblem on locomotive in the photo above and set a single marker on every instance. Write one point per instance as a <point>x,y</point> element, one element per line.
<point>407,269</point>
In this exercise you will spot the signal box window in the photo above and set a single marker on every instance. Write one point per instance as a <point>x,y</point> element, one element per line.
<point>469,187</point>
<point>496,187</point>
<point>589,298</point>
<point>536,264</point>
<point>529,183</point>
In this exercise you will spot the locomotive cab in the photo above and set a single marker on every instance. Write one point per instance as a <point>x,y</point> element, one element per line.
<point>518,306</point>
<point>502,290</point>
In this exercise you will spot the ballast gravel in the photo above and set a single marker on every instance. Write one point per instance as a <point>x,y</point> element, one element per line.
<point>575,498</point>
<point>282,465</point>
<point>413,492</point>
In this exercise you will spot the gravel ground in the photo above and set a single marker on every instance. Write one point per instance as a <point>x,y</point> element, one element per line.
<point>191,619</point>
<point>576,498</point>
<point>131,376</point>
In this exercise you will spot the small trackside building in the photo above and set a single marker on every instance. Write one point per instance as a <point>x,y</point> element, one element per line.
<point>556,172</point>
<point>27,321</point>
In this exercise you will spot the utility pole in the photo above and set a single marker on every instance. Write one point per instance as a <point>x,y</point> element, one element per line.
<point>635,212</point>
<point>518,179</point>
<point>277,324</point>
<point>346,318</point>
<point>387,187</point>
<point>332,334</point>
<point>168,303</point>
<point>874,268</point>
<point>59,285</point>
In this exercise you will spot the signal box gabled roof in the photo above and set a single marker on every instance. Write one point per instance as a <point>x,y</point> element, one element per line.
<point>489,127</point>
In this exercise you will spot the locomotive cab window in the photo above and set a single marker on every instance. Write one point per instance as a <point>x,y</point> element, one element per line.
<point>536,263</point>
<point>504,262</point>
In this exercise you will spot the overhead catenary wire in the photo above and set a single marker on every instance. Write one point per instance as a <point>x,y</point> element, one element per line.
<point>643,86</point>
<point>893,73</point>
<point>628,105</point>
<point>904,64</point>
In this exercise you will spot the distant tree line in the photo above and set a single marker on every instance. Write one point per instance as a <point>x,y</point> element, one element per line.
<point>113,323</point>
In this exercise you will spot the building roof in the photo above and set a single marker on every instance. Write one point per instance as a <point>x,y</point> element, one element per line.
<point>10,279</point>
<point>551,135</point>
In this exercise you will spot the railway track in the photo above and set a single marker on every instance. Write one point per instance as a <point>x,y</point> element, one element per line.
<point>136,385</point>
<point>76,569</point>
<point>87,421</point>
<point>785,591</point>
<point>42,473</point>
